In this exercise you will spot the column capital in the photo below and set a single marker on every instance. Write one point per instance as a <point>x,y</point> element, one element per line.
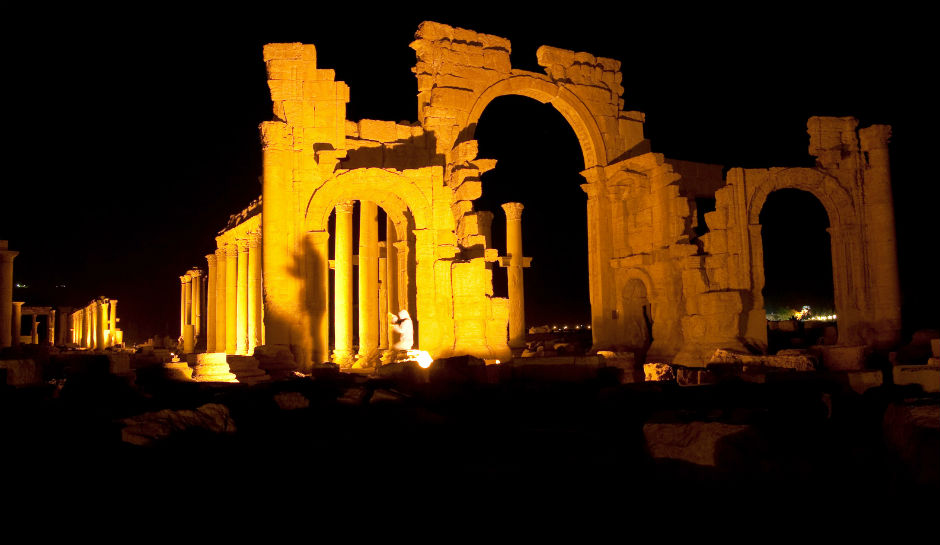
<point>211,259</point>
<point>875,137</point>
<point>513,210</point>
<point>254,238</point>
<point>186,278</point>
<point>196,273</point>
<point>345,207</point>
<point>231,249</point>
<point>242,244</point>
<point>591,189</point>
<point>19,304</point>
<point>6,256</point>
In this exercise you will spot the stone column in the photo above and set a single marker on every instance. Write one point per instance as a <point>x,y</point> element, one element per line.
<point>402,251</point>
<point>220,299</point>
<point>241,303</point>
<point>368,277</point>
<point>34,332</point>
<point>188,299</point>
<point>382,312</point>
<point>882,241</point>
<point>391,263</point>
<point>210,310</point>
<point>101,320</point>
<point>63,329</point>
<point>112,322</point>
<point>515,264</point>
<point>318,294</point>
<point>343,297</point>
<point>183,286</point>
<point>6,293</point>
<point>254,290</point>
<point>196,318</point>
<point>50,327</point>
<point>17,326</point>
<point>231,297</point>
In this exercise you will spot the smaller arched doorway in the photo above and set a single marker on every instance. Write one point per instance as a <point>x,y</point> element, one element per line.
<point>637,314</point>
<point>797,289</point>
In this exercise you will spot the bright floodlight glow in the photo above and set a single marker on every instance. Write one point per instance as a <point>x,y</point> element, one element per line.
<point>424,360</point>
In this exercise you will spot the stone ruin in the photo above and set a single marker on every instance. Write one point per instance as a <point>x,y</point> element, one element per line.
<point>653,283</point>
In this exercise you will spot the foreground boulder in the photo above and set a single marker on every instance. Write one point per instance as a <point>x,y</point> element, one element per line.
<point>148,428</point>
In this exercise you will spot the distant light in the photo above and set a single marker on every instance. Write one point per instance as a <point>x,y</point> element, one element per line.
<point>21,285</point>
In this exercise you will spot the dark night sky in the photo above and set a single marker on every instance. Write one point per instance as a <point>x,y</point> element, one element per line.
<point>133,140</point>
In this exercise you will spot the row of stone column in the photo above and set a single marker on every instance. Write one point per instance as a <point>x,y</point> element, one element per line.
<point>383,281</point>
<point>231,295</point>
<point>192,295</point>
<point>95,326</point>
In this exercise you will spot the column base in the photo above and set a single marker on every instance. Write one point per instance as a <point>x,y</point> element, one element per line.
<point>246,369</point>
<point>210,367</point>
<point>345,359</point>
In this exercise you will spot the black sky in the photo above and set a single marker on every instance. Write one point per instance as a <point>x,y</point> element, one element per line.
<point>135,133</point>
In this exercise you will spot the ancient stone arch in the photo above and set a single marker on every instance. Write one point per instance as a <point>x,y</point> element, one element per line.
<point>544,90</point>
<point>641,205</point>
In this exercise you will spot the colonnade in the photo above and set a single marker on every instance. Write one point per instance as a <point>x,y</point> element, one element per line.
<point>382,283</point>
<point>192,294</point>
<point>224,305</point>
<point>94,326</point>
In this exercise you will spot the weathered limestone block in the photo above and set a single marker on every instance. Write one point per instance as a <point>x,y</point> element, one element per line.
<point>844,358</point>
<point>148,428</point>
<point>177,371</point>
<point>912,431</point>
<point>21,372</point>
<point>927,376</point>
<point>794,361</point>
<point>861,381</point>
<point>686,376</point>
<point>658,372</point>
<point>693,442</point>
<point>246,369</point>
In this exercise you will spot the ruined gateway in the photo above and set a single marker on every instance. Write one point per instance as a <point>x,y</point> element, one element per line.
<point>436,261</point>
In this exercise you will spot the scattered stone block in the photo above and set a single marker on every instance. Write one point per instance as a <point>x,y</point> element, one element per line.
<point>21,372</point>
<point>246,369</point>
<point>289,401</point>
<point>177,371</point>
<point>658,372</point>
<point>686,376</point>
<point>912,431</point>
<point>927,376</point>
<point>785,359</point>
<point>844,358</point>
<point>861,381</point>
<point>148,428</point>
<point>693,442</point>
<point>276,361</point>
